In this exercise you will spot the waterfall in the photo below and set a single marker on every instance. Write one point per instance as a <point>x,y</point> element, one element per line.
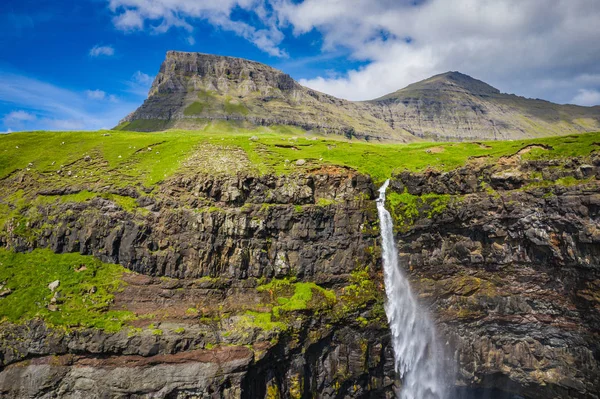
<point>417,355</point>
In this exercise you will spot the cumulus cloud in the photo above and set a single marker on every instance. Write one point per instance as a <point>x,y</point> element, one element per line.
<point>512,44</point>
<point>548,49</point>
<point>587,97</point>
<point>161,15</point>
<point>99,51</point>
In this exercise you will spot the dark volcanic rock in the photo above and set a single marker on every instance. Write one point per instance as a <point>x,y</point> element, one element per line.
<point>507,262</point>
<point>512,276</point>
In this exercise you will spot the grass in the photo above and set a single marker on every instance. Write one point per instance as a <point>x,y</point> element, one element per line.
<point>232,108</point>
<point>127,203</point>
<point>86,289</point>
<point>128,159</point>
<point>194,108</point>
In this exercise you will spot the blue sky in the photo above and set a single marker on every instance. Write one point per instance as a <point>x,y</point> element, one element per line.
<point>85,64</point>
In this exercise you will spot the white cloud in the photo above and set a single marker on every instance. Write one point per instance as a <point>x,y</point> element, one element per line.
<point>17,117</point>
<point>513,44</point>
<point>98,51</point>
<point>50,107</point>
<point>129,20</point>
<point>100,95</point>
<point>587,97</point>
<point>531,47</point>
<point>161,15</point>
<point>139,84</point>
<point>142,78</point>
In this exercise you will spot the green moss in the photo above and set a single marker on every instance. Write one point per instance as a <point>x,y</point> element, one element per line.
<point>273,392</point>
<point>157,332</point>
<point>83,296</point>
<point>568,181</point>
<point>262,320</point>
<point>325,202</point>
<point>133,331</point>
<point>407,208</point>
<point>293,296</point>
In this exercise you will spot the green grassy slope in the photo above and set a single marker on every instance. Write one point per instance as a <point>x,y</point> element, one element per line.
<point>125,158</point>
<point>85,290</point>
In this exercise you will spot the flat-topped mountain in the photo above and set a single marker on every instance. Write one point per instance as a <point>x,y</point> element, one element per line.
<point>193,89</point>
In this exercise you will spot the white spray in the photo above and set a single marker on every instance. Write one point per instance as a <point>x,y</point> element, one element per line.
<point>418,357</point>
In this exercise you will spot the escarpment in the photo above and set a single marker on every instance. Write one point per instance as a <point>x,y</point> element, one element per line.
<point>239,282</point>
<point>194,90</point>
<point>508,257</point>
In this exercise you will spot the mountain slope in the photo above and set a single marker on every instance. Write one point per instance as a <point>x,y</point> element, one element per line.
<point>454,106</point>
<point>193,89</point>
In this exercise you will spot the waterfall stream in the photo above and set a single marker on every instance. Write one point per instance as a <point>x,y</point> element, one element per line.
<point>417,354</point>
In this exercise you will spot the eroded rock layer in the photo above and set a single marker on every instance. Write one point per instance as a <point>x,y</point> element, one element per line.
<point>505,256</point>
<point>193,89</point>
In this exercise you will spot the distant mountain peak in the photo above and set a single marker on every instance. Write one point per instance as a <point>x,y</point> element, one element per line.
<point>192,90</point>
<point>451,81</point>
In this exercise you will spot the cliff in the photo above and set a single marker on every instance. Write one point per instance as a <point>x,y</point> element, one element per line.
<point>193,89</point>
<point>195,265</point>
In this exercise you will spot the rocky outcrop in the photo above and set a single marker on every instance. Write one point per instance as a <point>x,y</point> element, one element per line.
<point>509,265</point>
<point>192,89</point>
<point>234,227</point>
<point>203,325</point>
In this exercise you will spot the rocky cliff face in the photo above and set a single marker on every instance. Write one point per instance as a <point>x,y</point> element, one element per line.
<point>192,89</point>
<point>509,263</point>
<point>217,329</point>
<point>250,286</point>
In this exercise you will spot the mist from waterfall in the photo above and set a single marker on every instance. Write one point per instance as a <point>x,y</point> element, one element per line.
<point>417,354</point>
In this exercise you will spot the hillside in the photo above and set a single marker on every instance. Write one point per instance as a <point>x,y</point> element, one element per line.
<point>193,89</point>
<point>453,106</point>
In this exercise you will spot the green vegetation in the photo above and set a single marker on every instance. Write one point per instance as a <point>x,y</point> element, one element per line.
<point>233,108</point>
<point>145,125</point>
<point>293,296</point>
<point>127,203</point>
<point>261,320</point>
<point>406,208</point>
<point>325,202</point>
<point>194,108</point>
<point>563,181</point>
<point>82,298</point>
<point>362,291</point>
<point>128,158</point>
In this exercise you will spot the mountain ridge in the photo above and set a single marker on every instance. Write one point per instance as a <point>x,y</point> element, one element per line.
<point>193,89</point>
